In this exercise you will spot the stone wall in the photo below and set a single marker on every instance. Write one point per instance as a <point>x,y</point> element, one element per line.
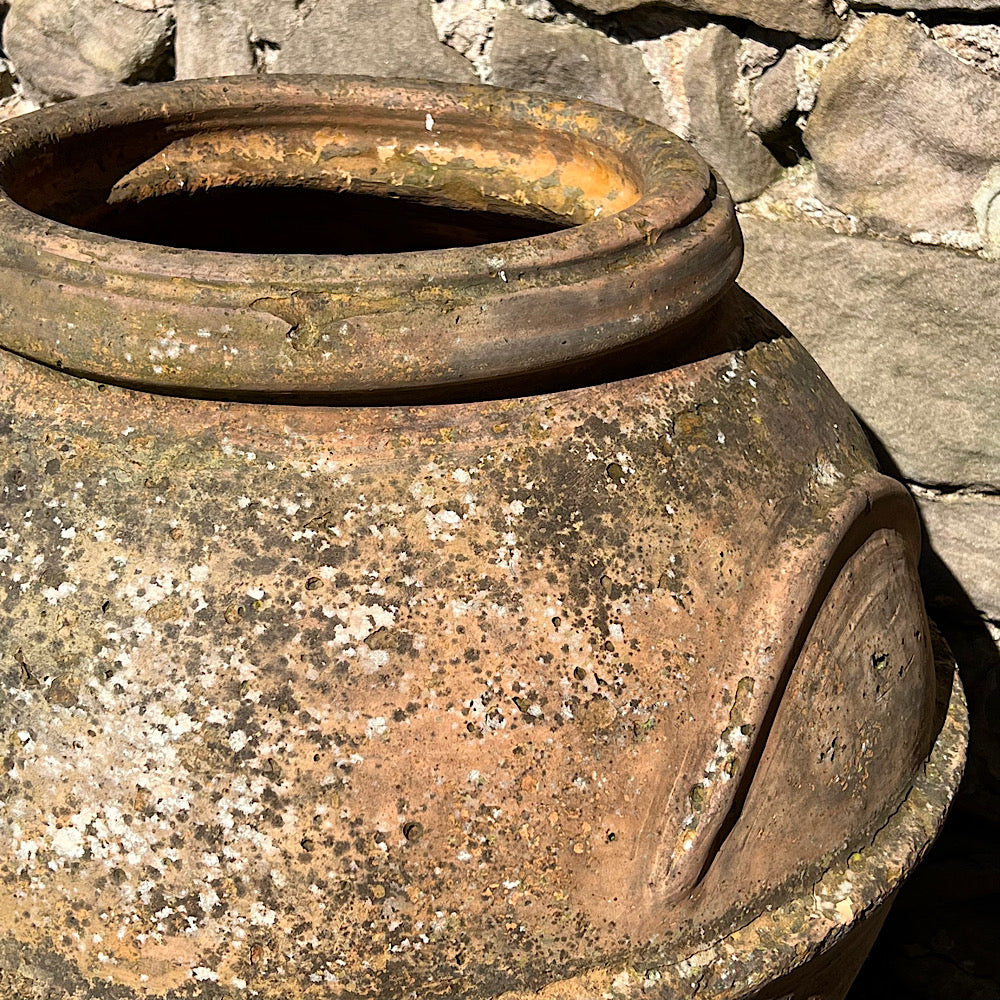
<point>861,138</point>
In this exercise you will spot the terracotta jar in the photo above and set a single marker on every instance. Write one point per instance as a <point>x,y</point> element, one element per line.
<point>425,573</point>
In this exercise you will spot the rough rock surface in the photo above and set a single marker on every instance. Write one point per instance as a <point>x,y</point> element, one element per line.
<point>774,96</point>
<point>369,37</point>
<point>903,133</point>
<point>965,533</point>
<point>806,18</point>
<point>986,205</point>
<point>68,48</point>
<point>573,62</point>
<point>717,126</point>
<point>975,44</point>
<point>665,59</point>
<point>909,336</point>
<point>213,39</point>
<point>467,27</point>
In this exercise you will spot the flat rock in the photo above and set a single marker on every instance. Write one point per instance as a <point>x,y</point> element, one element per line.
<point>717,127</point>
<point>213,39</point>
<point>805,18</point>
<point>774,96</point>
<point>903,133</point>
<point>392,38</point>
<point>909,335</point>
<point>965,532</point>
<point>572,61</point>
<point>68,48</point>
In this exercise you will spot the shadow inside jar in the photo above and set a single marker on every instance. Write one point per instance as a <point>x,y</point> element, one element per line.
<point>301,220</point>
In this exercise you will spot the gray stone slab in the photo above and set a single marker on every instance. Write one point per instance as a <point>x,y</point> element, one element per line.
<point>212,39</point>
<point>904,133</point>
<point>909,335</point>
<point>392,38</point>
<point>774,96</point>
<point>69,48</point>
<point>572,61</point>
<point>718,128</point>
<point>806,18</point>
<point>965,532</point>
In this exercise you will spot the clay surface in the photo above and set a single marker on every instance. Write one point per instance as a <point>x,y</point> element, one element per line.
<point>519,672</point>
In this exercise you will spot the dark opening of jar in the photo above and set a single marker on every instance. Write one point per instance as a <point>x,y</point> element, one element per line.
<point>301,220</point>
<point>304,184</point>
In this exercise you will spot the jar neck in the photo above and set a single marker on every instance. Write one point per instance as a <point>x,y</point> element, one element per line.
<point>449,240</point>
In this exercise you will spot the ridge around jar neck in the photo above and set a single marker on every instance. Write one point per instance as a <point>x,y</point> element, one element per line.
<point>620,234</point>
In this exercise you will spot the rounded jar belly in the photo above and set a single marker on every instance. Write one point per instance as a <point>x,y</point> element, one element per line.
<point>442,618</point>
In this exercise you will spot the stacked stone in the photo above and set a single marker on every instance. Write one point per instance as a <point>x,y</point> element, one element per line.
<point>861,137</point>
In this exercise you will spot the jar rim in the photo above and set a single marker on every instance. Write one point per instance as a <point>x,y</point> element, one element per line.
<point>225,324</point>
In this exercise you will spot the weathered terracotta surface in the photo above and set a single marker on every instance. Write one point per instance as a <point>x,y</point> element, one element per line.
<point>593,646</point>
<point>363,326</point>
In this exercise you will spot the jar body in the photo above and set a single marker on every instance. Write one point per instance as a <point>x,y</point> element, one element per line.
<point>357,701</point>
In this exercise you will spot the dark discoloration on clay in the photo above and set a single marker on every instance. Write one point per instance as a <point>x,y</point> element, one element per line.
<point>504,694</point>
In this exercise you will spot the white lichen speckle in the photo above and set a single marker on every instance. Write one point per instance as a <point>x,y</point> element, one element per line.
<point>376,727</point>
<point>68,842</point>
<point>261,916</point>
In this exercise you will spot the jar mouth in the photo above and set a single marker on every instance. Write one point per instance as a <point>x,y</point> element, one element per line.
<point>301,178</point>
<point>330,238</point>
